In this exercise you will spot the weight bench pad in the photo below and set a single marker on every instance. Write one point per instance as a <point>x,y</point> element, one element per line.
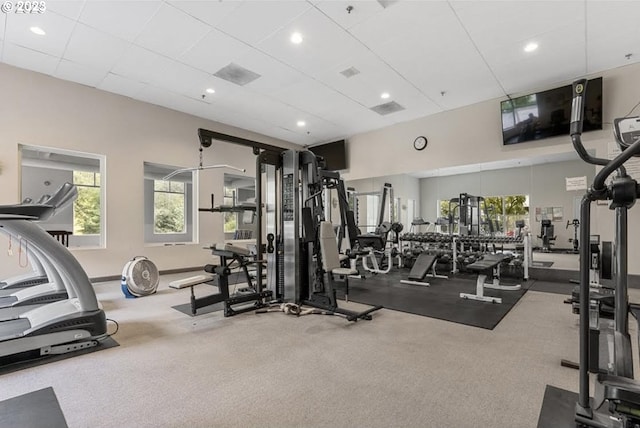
<point>488,262</point>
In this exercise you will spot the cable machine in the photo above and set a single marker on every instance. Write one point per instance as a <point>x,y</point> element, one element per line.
<point>290,186</point>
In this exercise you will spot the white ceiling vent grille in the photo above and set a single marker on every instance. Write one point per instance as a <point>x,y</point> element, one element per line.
<point>235,74</point>
<point>350,72</point>
<point>387,108</point>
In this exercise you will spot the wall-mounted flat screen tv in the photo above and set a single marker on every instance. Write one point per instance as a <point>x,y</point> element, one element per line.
<point>547,114</point>
<point>334,154</point>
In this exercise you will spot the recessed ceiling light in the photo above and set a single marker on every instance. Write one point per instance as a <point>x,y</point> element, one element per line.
<point>301,123</point>
<point>384,95</point>
<point>296,38</point>
<point>37,30</point>
<point>531,47</point>
<point>210,90</point>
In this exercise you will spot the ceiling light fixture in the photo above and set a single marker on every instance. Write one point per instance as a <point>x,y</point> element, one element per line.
<point>296,38</point>
<point>531,47</point>
<point>384,95</point>
<point>301,123</point>
<point>210,90</point>
<point>37,30</point>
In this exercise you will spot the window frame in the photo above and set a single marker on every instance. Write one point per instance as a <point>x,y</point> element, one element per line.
<point>75,242</point>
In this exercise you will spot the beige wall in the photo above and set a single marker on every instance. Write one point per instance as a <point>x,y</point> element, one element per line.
<point>41,110</point>
<point>472,135</point>
<point>44,111</point>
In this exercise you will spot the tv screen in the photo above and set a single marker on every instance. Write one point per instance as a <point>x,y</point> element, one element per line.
<point>547,114</point>
<point>334,154</point>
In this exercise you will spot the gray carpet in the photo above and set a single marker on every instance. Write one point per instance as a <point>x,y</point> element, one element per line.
<point>38,409</point>
<point>441,300</point>
<point>274,370</point>
<point>553,287</point>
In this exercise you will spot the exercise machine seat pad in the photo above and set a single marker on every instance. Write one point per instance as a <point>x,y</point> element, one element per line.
<point>488,262</point>
<point>236,249</point>
<point>421,266</point>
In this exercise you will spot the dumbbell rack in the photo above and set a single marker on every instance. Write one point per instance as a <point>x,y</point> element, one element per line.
<point>456,245</point>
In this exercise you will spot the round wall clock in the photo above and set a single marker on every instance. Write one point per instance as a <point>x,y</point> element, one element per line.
<point>420,143</point>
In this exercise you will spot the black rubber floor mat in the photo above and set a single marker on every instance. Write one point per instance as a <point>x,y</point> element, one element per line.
<point>38,409</point>
<point>185,308</point>
<point>18,362</point>
<point>558,408</point>
<point>441,300</point>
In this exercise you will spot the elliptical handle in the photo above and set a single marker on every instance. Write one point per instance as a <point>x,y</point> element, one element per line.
<point>577,117</point>
<point>577,106</point>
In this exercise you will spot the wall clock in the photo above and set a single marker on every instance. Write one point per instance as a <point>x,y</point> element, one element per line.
<point>420,143</point>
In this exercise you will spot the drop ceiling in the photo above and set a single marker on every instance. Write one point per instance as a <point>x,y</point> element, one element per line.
<point>429,56</point>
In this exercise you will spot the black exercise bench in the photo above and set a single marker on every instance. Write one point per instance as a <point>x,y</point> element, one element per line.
<point>489,265</point>
<point>420,269</point>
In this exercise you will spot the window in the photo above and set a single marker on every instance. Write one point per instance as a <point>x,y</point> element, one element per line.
<point>373,206</point>
<point>45,169</point>
<point>503,211</point>
<point>239,190</point>
<point>168,205</point>
<point>230,219</point>
<point>86,208</point>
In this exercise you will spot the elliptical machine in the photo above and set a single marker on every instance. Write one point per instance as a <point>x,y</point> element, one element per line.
<point>617,388</point>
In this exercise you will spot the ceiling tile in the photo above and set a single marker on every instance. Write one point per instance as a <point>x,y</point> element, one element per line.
<point>171,32</point>
<point>325,44</point>
<point>29,59</point>
<point>164,98</point>
<point>79,73</point>
<point>214,51</point>
<point>252,21</point>
<point>124,19</point>
<point>68,8</point>
<point>396,21</point>
<point>82,48</point>
<point>58,29</point>
<point>608,44</point>
<point>316,98</point>
<point>210,12</point>
<point>361,11</point>
<point>495,24</point>
<point>179,78</point>
<point>121,85</point>
<point>137,63</point>
<point>275,75</point>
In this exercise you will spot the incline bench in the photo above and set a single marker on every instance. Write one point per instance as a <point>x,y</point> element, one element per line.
<point>490,264</point>
<point>420,269</point>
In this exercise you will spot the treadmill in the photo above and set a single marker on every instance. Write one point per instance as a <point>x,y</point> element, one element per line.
<point>54,289</point>
<point>59,327</point>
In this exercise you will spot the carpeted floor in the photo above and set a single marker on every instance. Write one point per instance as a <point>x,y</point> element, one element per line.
<point>272,370</point>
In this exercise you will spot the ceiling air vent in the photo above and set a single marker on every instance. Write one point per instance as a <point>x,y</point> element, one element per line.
<point>350,72</point>
<point>235,74</point>
<point>387,108</point>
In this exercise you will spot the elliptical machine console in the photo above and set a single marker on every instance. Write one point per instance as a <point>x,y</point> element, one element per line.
<point>616,402</point>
